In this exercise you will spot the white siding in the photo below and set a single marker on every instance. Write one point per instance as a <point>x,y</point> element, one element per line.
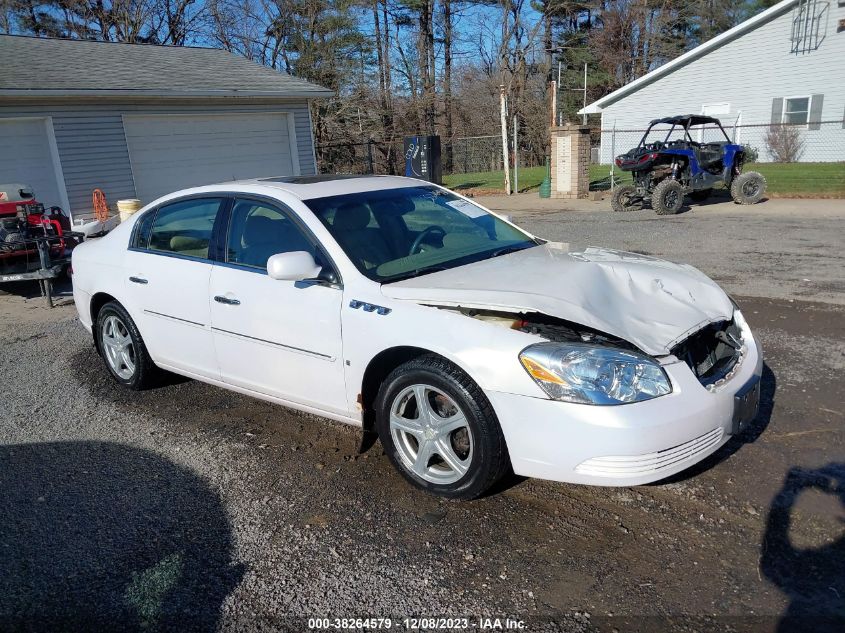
<point>748,73</point>
<point>92,145</point>
<point>28,158</point>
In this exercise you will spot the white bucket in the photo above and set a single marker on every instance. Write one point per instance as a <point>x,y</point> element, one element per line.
<point>127,208</point>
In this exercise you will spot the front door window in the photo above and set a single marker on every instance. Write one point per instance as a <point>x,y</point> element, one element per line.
<point>257,231</point>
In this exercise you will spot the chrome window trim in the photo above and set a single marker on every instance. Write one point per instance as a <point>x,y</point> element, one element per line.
<point>225,199</point>
<point>244,267</point>
<point>192,258</point>
<point>228,198</point>
<point>263,271</point>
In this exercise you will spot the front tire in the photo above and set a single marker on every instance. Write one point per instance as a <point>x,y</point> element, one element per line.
<point>667,197</point>
<point>122,348</point>
<point>625,199</point>
<point>439,430</point>
<point>748,188</point>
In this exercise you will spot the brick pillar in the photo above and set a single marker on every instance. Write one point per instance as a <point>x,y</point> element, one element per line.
<point>570,161</point>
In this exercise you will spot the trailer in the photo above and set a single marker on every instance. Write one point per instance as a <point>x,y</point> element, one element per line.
<point>35,243</point>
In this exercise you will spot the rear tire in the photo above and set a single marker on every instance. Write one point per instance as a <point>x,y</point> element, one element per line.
<point>748,188</point>
<point>122,348</point>
<point>451,446</point>
<point>624,199</point>
<point>667,197</point>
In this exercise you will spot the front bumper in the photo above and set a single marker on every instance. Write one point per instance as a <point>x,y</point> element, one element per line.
<point>623,445</point>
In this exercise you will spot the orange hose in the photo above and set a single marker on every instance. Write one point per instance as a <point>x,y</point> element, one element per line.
<point>101,205</point>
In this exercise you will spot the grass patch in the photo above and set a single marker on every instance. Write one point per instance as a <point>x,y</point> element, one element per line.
<point>803,180</point>
<point>800,180</point>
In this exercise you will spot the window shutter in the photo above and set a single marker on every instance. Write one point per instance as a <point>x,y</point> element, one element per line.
<point>777,110</point>
<point>815,112</point>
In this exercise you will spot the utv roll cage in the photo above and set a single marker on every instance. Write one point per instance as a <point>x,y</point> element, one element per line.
<point>664,172</point>
<point>685,121</point>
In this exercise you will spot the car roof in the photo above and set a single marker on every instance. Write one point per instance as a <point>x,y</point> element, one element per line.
<point>686,120</point>
<point>324,186</point>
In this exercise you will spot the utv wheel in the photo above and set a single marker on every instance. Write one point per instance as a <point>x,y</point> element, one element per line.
<point>439,430</point>
<point>667,197</point>
<point>748,188</point>
<point>625,199</point>
<point>122,348</point>
<point>701,195</point>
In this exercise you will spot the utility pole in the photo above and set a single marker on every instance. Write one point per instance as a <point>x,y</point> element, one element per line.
<point>515,159</point>
<point>557,117</point>
<point>584,92</point>
<point>584,119</point>
<point>504,120</point>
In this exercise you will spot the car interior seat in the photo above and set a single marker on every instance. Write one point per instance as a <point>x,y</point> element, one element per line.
<point>264,237</point>
<point>188,245</point>
<point>364,244</point>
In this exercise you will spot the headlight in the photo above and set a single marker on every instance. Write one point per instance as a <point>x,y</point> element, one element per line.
<point>576,372</point>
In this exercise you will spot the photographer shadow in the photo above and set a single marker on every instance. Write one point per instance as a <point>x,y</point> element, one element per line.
<point>98,535</point>
<point>813,578</point>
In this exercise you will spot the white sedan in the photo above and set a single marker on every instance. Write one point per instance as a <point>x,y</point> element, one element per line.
<point>468,345</point>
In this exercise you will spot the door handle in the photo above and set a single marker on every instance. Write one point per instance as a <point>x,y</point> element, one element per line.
<point>227,301</point>
<point>138,280</point>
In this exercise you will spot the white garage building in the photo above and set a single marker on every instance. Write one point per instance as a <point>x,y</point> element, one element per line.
<point>139,121</point>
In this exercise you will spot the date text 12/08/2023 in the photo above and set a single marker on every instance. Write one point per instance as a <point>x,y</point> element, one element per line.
<point>418,623</point>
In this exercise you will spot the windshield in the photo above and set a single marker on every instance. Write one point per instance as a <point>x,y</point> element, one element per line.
<point>395,234</point>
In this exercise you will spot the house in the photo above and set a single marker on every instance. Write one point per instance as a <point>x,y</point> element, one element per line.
<point>139,121</point>
<point>785,65</point>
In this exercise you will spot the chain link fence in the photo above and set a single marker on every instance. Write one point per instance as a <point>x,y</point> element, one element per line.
<point>461,155</point>
<point>806,160</point>
<point>822,141</point>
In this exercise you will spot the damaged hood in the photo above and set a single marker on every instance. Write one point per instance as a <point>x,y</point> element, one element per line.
<point>651,303</point>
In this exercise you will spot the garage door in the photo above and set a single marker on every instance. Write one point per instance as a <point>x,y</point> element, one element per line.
<point>26,158</point>
<point>170,152</point>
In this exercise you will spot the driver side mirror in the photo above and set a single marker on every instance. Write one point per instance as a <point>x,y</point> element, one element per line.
<point>293,266</point>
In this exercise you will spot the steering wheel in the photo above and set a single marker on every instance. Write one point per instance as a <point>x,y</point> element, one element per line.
<point>415,247</point>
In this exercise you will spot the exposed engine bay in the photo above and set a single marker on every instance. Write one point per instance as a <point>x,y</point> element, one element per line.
<point>713,352</point>
<point>551,328</point>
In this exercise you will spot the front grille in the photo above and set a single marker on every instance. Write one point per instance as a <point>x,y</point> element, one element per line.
<point>714,352</point>
<point>650,463</point>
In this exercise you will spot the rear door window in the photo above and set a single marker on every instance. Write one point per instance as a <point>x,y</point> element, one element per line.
<point>141,235</point>
<point>185,227</point>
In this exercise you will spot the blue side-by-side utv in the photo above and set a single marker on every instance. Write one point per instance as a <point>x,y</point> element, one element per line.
<point>664,171</point>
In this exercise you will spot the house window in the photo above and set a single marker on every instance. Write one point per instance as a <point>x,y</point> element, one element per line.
<point>796,110</point>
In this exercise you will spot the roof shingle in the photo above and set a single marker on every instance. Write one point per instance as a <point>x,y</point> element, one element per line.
<point>32,65</point>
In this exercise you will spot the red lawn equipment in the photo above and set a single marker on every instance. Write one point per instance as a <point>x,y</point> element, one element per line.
<point>35,243</point>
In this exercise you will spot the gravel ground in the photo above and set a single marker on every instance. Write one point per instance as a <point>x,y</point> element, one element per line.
<point>188,507</point>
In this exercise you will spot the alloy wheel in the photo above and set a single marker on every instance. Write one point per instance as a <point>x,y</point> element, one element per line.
<point>118,347</point>
<point>671,199</point>
<point>431,434</point>
<point>750,188</point>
